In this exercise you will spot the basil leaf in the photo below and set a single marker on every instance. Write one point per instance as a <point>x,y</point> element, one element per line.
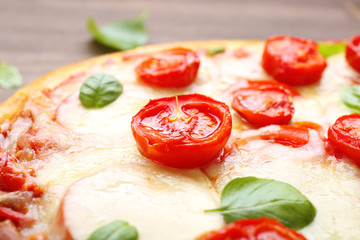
<point>216,50</point>
<point>327,49</point>
<point>121,35</point>
<point>350,98</point>
<point>9,76</point>
<point>99,90</point>
<point>252,197</point>
<point>116,230</point>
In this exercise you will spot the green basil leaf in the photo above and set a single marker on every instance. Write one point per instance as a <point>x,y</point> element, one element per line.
<point>252,197</point>
<point>10,76</point>
<point>100,90</point>
<point>121,35</point>
<point>214,51</point>
<point>350,98</point>
<point>327,49</point>
<point>116,230</point>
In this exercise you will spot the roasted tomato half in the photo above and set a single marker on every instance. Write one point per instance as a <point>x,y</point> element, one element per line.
<point>254,229</point>
<point>353,52</point>
<point>264,104</point>
<point>345,136</point>
<point>176,67</point>
<point>183,131</point>
<point>293,136</point>
<point>292,60</point>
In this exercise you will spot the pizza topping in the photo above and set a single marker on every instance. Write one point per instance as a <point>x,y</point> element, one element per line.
<point>254,229</point>
<point>294,136</point>
<point>121,35</point>
<point>264,105</point>
<point>214,51</point>
<point>116,230</point>
<point>170,130</point>
<point>100,90</point>
<point>353,52</point>
<point>251,197</point>
<point>350,98</point>
<point>176,67</point>
<point>9,231</point>
<point>18,218</point>
<point>345,136</point>
<point>240,53</point>
<point>294,61</point>
<point>329,48</point>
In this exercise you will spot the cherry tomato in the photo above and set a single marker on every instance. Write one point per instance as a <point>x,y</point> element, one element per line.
<point>183,131</point>
<point>345,136</point>
<point>263,105</point>
<point>12,178</point>
<point>287,135</point>
<point>254,229</point>
<point>171,68</point>
<point>353,53</point>
<point>292,60</point>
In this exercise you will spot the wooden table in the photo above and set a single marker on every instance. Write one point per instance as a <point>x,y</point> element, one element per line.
<point>38,36</point>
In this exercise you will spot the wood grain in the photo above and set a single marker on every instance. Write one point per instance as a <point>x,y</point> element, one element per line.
<point>38,36</point>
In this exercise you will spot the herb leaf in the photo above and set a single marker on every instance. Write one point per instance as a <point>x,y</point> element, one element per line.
<point>327,49</point>
<point>116,230</point>
<point>214,51</point>
<point>9,76</point>
<point>100,90</point>
<point>252,197</point>
<point>350,98</point>
<point>121,35</point>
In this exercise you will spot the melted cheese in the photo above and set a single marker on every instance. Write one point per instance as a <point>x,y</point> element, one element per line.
<point>161,203</point>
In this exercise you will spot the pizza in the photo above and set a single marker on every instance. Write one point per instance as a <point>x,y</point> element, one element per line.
<point>207,140</point>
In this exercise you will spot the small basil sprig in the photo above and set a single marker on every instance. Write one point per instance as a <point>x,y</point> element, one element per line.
<point>252,197</point>
<point>214,51</point>
<point>350,98</point>
<point>116,230</point>
<point>327,49</point>
<point>9,76</point>
<point>99,90</point>
<point>121,35</point>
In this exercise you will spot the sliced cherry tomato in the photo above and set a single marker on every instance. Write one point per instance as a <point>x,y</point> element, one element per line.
<point>345,136</point>
<point>353,52</point>
<point>263,105</point>
<point>254,229</point>
<point>183,131</point>
<point>287,135</point>
<point>292,60</point>
<point>171,68</point>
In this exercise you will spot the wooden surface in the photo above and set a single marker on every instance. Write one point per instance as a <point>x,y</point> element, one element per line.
<point>38,36</point>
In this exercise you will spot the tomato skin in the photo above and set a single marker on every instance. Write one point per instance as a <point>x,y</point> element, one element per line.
<point>184,131</point>
<point>11,177</point>
<point>352,52</point>
<point>292,60</point>
<point>176,67</point>
<point>344,136</point>
<point>263,105</point>
<point>287,135</point>
<point>254,229</point>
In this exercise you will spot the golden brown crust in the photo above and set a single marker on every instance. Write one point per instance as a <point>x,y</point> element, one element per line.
<point>12,106</point>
